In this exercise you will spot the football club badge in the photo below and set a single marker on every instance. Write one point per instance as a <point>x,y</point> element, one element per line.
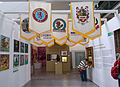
<point>25,25</point>
<point>59,25</point>
<point>82,14</point>
<point>40,15</point>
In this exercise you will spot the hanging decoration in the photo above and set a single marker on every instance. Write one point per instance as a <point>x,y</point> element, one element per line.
<point>84,42</point>
<point>46,37</point>
<point>37,40</point>
<point>69,43</point>
<point>74,37</point>
<point>82,15</point>
<point>40,16</point>
<point>62,42</point>
<point>25,32</point>
<point>98,32</point>
<point>50,44</point>
<point>59,26</point>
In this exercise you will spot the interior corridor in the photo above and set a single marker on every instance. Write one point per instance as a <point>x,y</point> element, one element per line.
<point>49,79</point>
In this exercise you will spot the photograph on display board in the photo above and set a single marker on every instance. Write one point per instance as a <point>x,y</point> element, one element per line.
<point>4,62</point>
<point>63,53</point>
<point>26,59</point>
<point>22,60</point>
<point>22,47</point>
<point>16,46</point>
<point>4,43</point>
<point>26,48</point>
<point>15,60</point>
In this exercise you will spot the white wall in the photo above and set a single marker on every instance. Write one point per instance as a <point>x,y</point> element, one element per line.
<point>104,55</point>
<point>76,48</point>
<point>8,78</point>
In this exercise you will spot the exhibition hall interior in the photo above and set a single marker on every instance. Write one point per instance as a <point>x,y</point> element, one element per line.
<point>59,43</point>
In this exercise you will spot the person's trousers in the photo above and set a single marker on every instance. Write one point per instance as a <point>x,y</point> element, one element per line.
<point>83,75</point>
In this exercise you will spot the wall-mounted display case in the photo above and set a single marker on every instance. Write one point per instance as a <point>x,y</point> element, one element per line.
<point>89,54</point>
<point>64,59</point>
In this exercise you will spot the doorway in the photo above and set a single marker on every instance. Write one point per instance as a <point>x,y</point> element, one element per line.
<point>78,57</point>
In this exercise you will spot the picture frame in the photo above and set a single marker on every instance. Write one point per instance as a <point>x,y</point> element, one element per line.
<point>22,47</point>
<point>22,60</point>
<point>4,62</point>
<point>4,43</point>
<point>16,46</point>
<point>64,59</point>
<point>26,59</point>
<point>26,48</point>
<point>64,53</point>
<point>15,60</point>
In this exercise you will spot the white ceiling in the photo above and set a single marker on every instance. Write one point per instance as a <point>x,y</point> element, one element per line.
<point>55,0</point>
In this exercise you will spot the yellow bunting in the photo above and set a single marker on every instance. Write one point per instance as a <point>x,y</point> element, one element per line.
<point>69,43</point>
<point>84,42</point>
<point>82,15</point>
<point>62,42</point>
<point>98,32</point>
<point>46,38</point>
<point>37,40</point>
<point>25,32</point>
<point>73,37</point>
<point>59,26</point>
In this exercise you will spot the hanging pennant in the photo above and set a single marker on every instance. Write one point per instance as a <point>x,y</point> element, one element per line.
<point>37,40</point>
<point>82,15</point>
<point>46,37</point>
<point>74,37</point>
<point>69,43</point>
<point>98,32</point>
<point>50,44</point>
<point>40,16</point>
<point>59,26</point>
<point>36,43</point>
<point>25,33</point>
<point>84,42</point>
<point>62,42</point>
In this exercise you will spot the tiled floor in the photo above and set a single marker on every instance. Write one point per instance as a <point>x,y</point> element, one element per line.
<point>43,79</point>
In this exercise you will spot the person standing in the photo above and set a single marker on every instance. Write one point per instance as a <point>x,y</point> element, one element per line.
<point>83,65</point>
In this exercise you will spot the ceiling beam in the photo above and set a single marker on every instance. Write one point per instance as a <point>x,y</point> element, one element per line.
<point>65,12</point>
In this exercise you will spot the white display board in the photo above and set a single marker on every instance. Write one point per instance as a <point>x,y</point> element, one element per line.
<point>21,76</point>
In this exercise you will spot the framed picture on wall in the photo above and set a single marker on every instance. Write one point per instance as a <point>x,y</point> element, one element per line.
<point>26,48</point>
<point>22,60</point>
<point>64,59</point>
<point>63,53</point>
<point>26,59</point>
<point>22,47</point>
<point>16,46</point>
<point>90,57</point>
<point>15,60</point>
<point>4,62</point>
<point>4,43</point>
